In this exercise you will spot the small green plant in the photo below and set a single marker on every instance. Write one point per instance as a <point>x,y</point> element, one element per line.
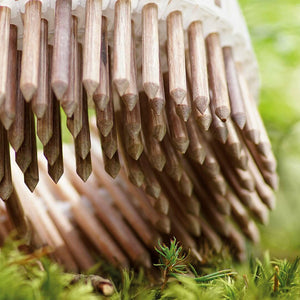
<point>172,260</point>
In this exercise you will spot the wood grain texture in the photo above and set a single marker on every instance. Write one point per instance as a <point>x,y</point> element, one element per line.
<point>92,46</point>
<point>56,169</point>
<point>177,127</point>
<point>251,127</point>
<point>101,94</point>
<point>197,56</point>
<point>45,124</point>
<point>62,47</point>
<point>74,123</point>
<point>16,214</point>
<point>238,114</point>
<point>155,152</point>
<point>70,99</point>
<point>196,149</point>
<point>83,139</point>
<point>4,33</point>
<point>112,165</point>
<point>130,96</point>
<point>16,130</point>
<point>52,148</point>
<point>6,186</point>
<point>216,73</point>
<point>8,108</point>
<point>173,165</point>
<point>23,155</point>
<point>109,143</point>
<point>31,175</point>
<point>105,118</point>
<point>150,45</point>
<point>122,48</point>
<point>176,58</point>
<point>40,99</point>
<point>159,101</point>
<point>31,49</point>
<point>157,123</point>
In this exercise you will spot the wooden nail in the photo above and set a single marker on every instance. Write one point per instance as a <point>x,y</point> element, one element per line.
<point>83,166</point>
<point>8,108</point>
<point>6,187</point>
<point>45,124</point>
<point>112,165</point>
<point>130,96</point>
<point>233,144</point>
<point>156,123</point>
<point>238,114</point>
<point>92,46</point>
<point>251,128</point>
<point>4,33</point>
<point>218,128</point>
<point>203,120</point>
<point>122,48</point>
<point>40,99</point>
<point>173,166</point>
<point>70,99</point>
<point>16,214</point>
<point>132,119</point>
<point>102,92</point>
<point>105,118</point>
<point>150,44</point>
<point>62,47</point>
<point>31,175</point>
<point>158,102</point>
<point>16,130</point>
<point>197,55</point>
<point>23,155</point>
<point>83,140</point>
<point>185,184</point>
<point>109,143</point>
<point>177,127</point>
<point>56,170</point>
<point>196,150</point>
<point>217,78</point>
<point>133,169</point>
<point>153,187</point>
<point>176,57</point>
<point>52,148</point>
<point>31,49</point>
<point>74,123</point>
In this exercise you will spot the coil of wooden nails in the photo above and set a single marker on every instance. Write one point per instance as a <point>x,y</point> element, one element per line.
<point>172,91</point>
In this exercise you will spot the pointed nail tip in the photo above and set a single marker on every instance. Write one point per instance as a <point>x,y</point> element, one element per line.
<point>59,88</point>
<point>223,113</point>
<point>151,89</point>
<point>157,105</point>
<point>130,101</point>
<point>202,103</point>
<point>239,120</point>
<point>253,135</point>
<point>121,85</point>
<point>178,95</point>
<point>39,110</point>
<point>28,91</point>
<point>90,86</point>
<point>101,101</point>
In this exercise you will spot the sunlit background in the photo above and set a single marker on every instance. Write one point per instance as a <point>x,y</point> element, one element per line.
<point>275,31</point>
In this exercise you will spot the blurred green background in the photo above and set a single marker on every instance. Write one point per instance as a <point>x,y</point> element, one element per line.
<point>274,27</point>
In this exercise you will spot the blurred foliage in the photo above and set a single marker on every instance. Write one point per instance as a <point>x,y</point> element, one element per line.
<point>275,31</point>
